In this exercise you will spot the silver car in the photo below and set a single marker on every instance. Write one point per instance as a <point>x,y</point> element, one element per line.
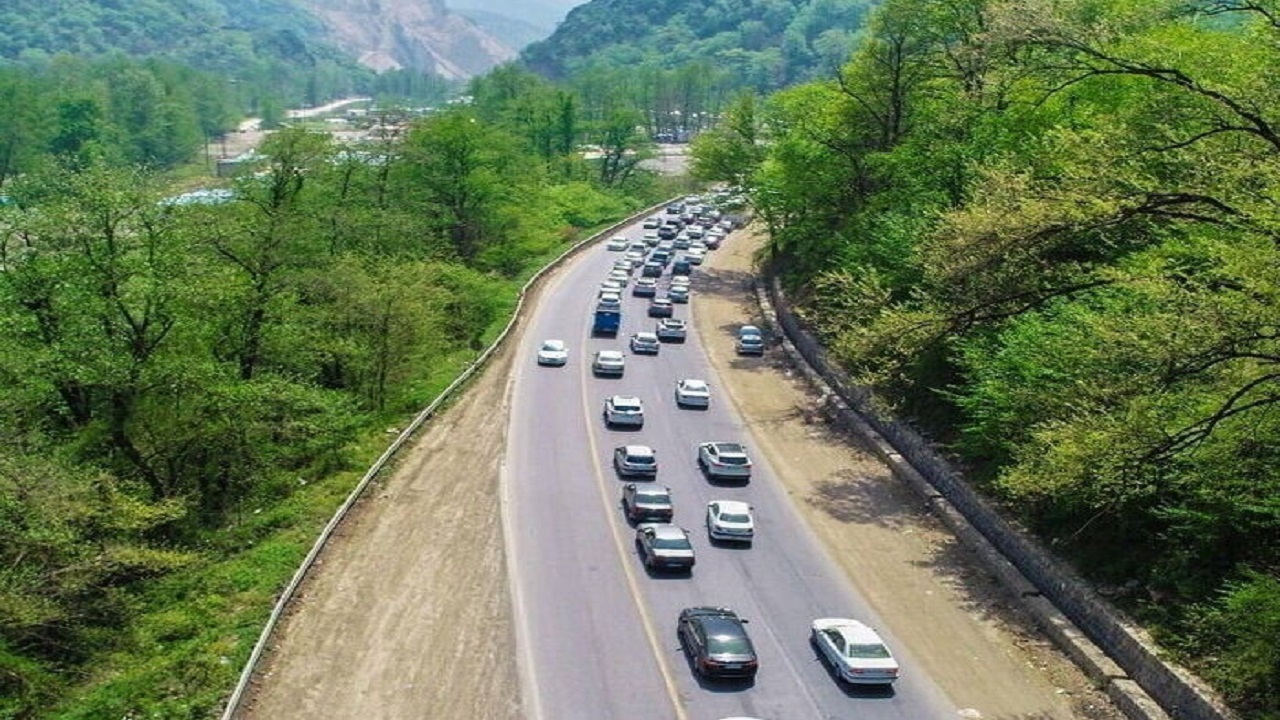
<point>608,362</point>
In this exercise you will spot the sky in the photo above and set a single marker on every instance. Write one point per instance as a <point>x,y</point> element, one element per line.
<point>540,13</point>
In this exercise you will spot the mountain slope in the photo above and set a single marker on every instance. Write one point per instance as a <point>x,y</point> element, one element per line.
<point>764,43</point>
<point>420,34</point>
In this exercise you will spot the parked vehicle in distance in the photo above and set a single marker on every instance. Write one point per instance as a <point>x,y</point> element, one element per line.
<point>678,294</point>
<point>647,503</point>
<point>716,642</point>
<point>623,410</point>
<point>553,353</point>
<point>750,340</point>
<point>635,460</point>
<point>645,343</point>
<point>692,392</point>
<point>616,243</point>
<point>854,651</point>
<point>664,547</point>
<point>645,287</point>
<point>724,460</point>
<point>608,362</point>
<point>671,329</point>
<point>730,521</point>
<point>606,321</point>
<point>660,307</point>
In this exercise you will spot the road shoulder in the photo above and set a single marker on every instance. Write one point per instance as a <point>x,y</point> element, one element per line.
<point>958,624</point>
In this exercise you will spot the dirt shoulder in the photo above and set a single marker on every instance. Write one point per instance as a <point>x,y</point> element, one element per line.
<point>958,624</point>
<point>386,626</point>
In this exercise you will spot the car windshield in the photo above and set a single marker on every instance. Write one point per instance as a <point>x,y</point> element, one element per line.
<point>672,543</point>
<point>874,651</point>
<point>734,517</point>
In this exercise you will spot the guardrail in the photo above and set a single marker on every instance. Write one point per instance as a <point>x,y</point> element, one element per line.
<point>259,649</point>
<point>1114,652</point>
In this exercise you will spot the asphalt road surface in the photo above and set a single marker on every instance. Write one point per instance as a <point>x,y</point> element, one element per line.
<point>596,632</point>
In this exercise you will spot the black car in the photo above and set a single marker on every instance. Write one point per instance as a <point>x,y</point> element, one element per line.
<point>652,269</point>
<point>647,503</point>
<point>660,307</point>
<point>716,643</point>
<point>681,266</point>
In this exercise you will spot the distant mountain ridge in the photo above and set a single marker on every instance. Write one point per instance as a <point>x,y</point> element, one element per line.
<point>765,44</point>
<point>422,35</point>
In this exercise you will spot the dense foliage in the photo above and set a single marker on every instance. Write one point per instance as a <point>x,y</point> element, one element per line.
<point>266,53</point>
<point>187,389</point>
<point>762,44</point>
<point>1048,230</point>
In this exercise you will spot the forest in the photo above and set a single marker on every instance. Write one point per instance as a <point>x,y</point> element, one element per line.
<point>189,391</point>
<point>760,44</point>
<point>1046,232</point>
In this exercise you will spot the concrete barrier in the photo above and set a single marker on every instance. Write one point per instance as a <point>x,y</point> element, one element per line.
<point>1112,650</point>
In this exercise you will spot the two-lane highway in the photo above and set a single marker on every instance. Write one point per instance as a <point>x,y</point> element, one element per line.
<point>596,632</point>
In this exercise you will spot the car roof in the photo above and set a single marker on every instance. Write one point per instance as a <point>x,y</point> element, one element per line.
<point>708,611</point>
<point>609,354</point>
<point>749,330</point>
<point>665,530</point>
<point>729,447</point>
<point>671,321</point>
<point>637,449</point>
<point>853,631</point>
<point>553,344</point>
<point>732,505</point>
<point>693,382</point>
<point>626,399</point>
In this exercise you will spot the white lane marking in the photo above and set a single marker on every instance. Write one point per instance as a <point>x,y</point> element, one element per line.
<point>624,557</point>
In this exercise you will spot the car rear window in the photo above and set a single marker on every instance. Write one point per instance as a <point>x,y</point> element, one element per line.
<point>873,651</point>
<point>735,517</point>
<point>673,543</point>
<point>641,459</point>
<point>729,645</point>
<point>733,460</point>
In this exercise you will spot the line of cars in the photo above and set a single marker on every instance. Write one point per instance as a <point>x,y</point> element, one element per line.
<point>714,639</point>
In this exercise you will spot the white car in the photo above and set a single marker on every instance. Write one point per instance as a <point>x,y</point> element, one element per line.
<point>616,243</point>
<point>608,362</point>
<point>854,651</point>
<point>691,392</point>
<point>724,460</point>
<point>609,301</point>
<point>696,257</point>
<point>623,410</point>
<point>651,239</point>
<point>611,286</point>
<point>653,223</point>
<point>678,293</point>
<point>553,353</point>
<point>624,265</point>
<point>730,520</point>
<point>620,276</point>
<point>635,256</point>
<point>680,281</point>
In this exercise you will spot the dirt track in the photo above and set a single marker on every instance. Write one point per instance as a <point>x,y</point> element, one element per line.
<point>409,614</point>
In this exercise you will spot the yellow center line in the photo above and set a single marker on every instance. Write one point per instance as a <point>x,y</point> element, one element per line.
<point>628,566</point>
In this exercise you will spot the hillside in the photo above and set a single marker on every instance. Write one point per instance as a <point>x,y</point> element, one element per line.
<point>767,44</point>
<point>238,36</point>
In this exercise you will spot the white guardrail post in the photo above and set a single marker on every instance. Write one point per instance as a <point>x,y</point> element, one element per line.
<point>277,612</point>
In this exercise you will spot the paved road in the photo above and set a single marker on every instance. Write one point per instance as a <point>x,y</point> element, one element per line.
<point>596,633</point>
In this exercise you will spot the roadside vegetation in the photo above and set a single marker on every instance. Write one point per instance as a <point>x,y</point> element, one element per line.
<point>1048,233</point>
<point>189,390</point>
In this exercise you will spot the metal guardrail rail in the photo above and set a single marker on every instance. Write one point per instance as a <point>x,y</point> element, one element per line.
<point>239,695</point>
